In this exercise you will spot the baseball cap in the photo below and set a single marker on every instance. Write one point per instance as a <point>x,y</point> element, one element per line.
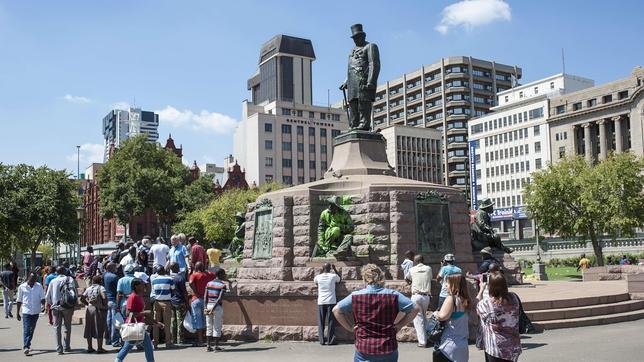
<point>128,269</point>
<point>449,257</point>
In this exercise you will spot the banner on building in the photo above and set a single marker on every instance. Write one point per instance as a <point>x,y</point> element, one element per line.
<point>473,192</point>
<point>509,213</point>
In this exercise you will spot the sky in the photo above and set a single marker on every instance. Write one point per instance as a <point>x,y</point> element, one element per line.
<point>65,64</point>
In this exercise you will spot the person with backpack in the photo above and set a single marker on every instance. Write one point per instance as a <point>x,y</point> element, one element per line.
<point>95,313</point>
<point>63,298</point>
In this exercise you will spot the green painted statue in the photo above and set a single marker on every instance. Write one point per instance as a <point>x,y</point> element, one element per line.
<point>334,231</point>
<point>483,235</point>
<point>236,246</point>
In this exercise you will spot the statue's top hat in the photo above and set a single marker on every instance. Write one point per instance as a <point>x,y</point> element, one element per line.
<point>356,29</point>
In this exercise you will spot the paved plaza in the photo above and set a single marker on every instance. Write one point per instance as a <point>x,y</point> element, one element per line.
<point>614,342</point>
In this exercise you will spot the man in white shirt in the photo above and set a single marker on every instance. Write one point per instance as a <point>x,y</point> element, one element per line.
<point>407,263</point>
<point>62,315</point>
<point>326,282</point>
<point>420,276</point>
<point>159,254</point>
<point>129,258</point>
<point>31,297</point>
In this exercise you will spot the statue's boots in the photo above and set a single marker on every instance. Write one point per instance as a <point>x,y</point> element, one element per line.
<point>507,250</point>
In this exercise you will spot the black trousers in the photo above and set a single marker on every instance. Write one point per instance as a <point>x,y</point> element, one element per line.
<point>325,317</point>
<point>489,358</point>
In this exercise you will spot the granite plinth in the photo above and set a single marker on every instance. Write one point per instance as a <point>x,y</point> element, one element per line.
<point>359,153</point>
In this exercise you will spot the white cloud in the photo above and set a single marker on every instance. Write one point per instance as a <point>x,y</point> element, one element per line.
<point>76,99</point>
<point>89,153</point>
<point>202,121</point>
<point>472,13</point>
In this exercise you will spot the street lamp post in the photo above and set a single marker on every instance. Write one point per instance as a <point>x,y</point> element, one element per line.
<point>538,268</point>
<point>80,214</point>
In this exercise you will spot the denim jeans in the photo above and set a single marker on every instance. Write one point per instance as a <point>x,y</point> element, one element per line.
<point>28,327</point>
<point>111,333</point>
<point>362,357</point>
<point>198,317</point>
<point>147,347</point>
<point>7,300</point>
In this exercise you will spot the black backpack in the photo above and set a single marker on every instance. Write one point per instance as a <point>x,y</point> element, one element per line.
<point>68,298</point>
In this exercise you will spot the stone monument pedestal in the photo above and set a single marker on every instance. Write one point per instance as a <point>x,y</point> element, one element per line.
<point>274,296</point>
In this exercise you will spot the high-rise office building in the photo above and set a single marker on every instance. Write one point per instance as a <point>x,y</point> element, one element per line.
<point>282,136</point>
<point>414,153</point>
<point>120,124</point>
<point>444,96</point>
<point>510,143</point>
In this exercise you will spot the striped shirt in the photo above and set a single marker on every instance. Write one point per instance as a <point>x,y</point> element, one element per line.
<point>162,287</point>
<point>214,289</point>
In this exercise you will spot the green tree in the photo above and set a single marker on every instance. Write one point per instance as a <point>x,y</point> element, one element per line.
<point>196,195</point>
<point>139,176</point>
<point>37,204</point>
<point>575,199</point>
<point>192,224</point>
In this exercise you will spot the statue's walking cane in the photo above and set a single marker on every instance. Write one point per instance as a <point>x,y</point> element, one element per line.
<point>346,106</point>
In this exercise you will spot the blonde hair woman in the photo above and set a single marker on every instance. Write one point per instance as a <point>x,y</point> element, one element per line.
<point>378,314</point>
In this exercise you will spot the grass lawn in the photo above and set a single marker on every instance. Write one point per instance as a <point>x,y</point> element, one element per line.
<point>560,273</point>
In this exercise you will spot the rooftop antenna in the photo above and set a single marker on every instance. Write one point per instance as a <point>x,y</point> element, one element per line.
<point>328,97</point>
<point>134,105</point>
<point>563,61</point>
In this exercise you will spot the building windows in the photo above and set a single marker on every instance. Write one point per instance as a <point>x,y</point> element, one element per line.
<point>477,128</point>
<point>561,109</point>
<point>622,94</point>
<point>300,147</point>
<point>527,149</point>
<point>312,164</point>
<point>312,148</point>
<point>537,163</point>
<point>592,102</point>
<point>525,132</point>
<point>527,165</point>
<point>537,147</point>
<point>607,98</point>
<point>311,131</point>
<point>552,85</point>
<point>322,115</point>
<point>268,178</point>
<point>576,106</point>
<point>269,162</point>
<point>536,113</point>
<point>287,163</point>
<point>268,127</point>
<point>300,130</point>
<point>323,165</point>
<point>300,179</point>
<point>286,128</point>
<point>322,148</point>
<point>286,146</point>
<point>520,94</point>
<point>286,112</point>
<point>536,130</point>
<point>268,145</point>
<point>311,114</point>
<point>300,164</point>
<point>335,132</point>
<point>312,179</point>
<point>562,152</point>
<point>322,132</point>
<point>536,90</point>
<point>507,98</point>
<point>288,180</point>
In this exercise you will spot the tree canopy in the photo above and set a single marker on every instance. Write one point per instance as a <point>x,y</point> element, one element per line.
<point>139,176</point>
<point>36,204</point>
<point>575,199</point>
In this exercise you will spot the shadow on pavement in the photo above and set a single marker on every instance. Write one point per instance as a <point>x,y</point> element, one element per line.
<point>40,351</point>
<point>249,349</point>
<point>533,345</point>
<point>9,349</point>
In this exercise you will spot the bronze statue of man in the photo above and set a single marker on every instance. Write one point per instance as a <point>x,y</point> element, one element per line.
<point>362,78</point>
<point>483,235</point>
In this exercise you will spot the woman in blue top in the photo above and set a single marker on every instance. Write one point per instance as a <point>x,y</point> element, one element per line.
<point>453,345</point>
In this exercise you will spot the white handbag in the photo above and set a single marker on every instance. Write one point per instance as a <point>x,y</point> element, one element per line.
<point>187,322</point>
<point>132,331</point>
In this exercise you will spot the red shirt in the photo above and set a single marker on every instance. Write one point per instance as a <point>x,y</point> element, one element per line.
<point>135,304</point>
<point>374,316</point>
<point>200,280</point>
<point>197,253</point>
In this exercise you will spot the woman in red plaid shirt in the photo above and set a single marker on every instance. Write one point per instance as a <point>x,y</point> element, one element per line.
<point>378,314</point>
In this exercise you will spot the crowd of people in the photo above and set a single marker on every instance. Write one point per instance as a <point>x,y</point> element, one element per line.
<point>170,287</point>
